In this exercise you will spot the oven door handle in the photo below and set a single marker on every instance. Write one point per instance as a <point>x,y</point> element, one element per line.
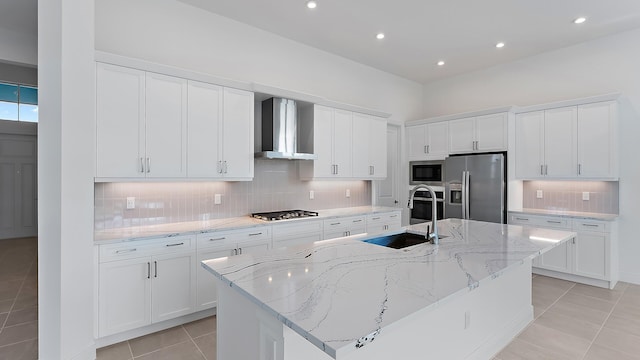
<point>427,199</point>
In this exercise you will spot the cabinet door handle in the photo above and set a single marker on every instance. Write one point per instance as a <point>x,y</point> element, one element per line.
<point>359,220</point>
<point>554,222</point>
<point>375,218</point>
<point>240,250</point>
<point>217,239</point>
<point>428,149</point>
<point>148,164</point>
<point>545,170</point>
<point>522,219</point>
<point>141,165</point>
<point>219,167</point>
<point>126,251</point>
<point>541,169</point>
<point>394,216</point>
<point>155,265</point>
<point>333,224</point>
<point>579,169</point>
<point>255,234</point>
<point>226,167</point>
<point>235,252</point>
<point>425,149</point>
<point>176,244</point>
<point>573,240</point>
<point>337,169</point>
<point>148,270</point>
<point>590,225</point>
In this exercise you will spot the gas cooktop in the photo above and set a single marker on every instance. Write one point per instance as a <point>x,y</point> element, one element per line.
<point>283,215</point>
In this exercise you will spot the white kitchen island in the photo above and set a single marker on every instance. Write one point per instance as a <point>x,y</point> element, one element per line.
<point>346,299</point>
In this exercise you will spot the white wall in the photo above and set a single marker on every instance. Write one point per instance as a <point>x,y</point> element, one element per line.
<point>17,47</point>
<point>18,74</point>
<point>607,65</point>
<point>66,153</point>
<point>172,33</point>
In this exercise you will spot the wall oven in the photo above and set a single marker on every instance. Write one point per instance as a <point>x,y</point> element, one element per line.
<point>421,211</point>
<point>426,172</point>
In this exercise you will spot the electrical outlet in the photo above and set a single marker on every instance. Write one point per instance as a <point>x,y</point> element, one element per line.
<point>347,193</point>
<point>539,194</point>
<point>312,194</point>
<point>217,199</point>
<point>585,195</point>
<point>131,202</point>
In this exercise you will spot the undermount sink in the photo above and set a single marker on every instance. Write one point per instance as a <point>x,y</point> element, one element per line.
<point>400,241</point>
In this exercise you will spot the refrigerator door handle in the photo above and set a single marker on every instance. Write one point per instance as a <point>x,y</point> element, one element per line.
<point>464,202</point>
<point>466,191</point>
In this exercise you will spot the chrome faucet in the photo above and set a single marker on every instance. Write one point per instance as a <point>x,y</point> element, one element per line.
<point>430,236</point>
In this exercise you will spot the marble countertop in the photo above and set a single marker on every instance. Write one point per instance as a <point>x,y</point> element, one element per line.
<point>197,227</point>
<point>341,293</point>
<point>568,214</point>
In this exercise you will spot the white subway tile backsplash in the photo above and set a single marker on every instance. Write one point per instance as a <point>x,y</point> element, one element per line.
<point>275,187</point>
<point>567,195</point>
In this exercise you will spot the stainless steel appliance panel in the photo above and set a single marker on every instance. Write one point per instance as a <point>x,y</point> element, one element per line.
<point>454,169</point>
<point>485,196</point>
<point>426,172</point>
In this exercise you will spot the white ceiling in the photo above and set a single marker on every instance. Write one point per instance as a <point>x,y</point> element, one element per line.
<point>20,16</point>
<point>421,32</point>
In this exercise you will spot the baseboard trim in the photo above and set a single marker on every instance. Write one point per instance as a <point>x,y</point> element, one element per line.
<point>576,278</point>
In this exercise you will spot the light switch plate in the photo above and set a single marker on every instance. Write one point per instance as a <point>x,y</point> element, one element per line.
<point>539,194</point>
<point>131,202</point>
<point>217,199</point>
<point>312,194</point>
<point>585,195</point>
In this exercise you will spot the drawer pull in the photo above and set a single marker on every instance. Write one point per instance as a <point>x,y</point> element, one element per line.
<point>355,221</point>
<point>217,239</point>
<point>591,225</point>
<point>396,215</point>
<point>332,224</point>
<point>126,251</point>
<point>255,234</point>
<point>522,219</point>
<point>554,222</point>
<point>375,218</point>
<point>176,244</point>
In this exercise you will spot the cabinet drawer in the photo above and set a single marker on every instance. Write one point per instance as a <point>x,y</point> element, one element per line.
<point>222,238</point>
<point>559,223</point>
<point>344,223</point>
<point>384,218</point>
<point>590,225</point>
<point>150,247</point>
<point>297,228</point>
<point>540,221</point>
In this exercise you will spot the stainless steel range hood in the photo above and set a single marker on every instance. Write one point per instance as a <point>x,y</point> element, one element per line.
<point>280,131</point>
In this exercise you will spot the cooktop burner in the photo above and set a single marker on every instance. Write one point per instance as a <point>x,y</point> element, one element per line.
<point>283,215</point>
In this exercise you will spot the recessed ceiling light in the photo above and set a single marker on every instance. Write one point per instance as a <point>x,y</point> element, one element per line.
<point>311,4</point>
<point>500,45</point>
<point>440,63</point>
<point>380,36</point>
<point>580,20</point>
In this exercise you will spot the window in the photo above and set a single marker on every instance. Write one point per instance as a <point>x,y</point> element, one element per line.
<point>18,102</point>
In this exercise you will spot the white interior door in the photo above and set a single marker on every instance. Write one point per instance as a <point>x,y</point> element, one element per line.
<point>386,191</point>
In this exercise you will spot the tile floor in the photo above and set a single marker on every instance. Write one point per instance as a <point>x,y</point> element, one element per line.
<point>572,321</point>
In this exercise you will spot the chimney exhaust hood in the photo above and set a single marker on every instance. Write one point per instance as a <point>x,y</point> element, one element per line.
<point>280,131</point>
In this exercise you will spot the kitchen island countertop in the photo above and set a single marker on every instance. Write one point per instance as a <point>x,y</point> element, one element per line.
<point>341,294</point>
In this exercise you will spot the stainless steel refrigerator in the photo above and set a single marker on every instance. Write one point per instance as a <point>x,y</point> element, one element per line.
<point>475,187</point>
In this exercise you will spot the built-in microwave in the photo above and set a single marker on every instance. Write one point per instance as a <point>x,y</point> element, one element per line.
<point>426,172</point>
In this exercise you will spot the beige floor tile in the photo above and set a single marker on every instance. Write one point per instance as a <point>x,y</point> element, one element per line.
<point>25,301</point>
<point>5,305</point>
<point>523,350</point>
<point>621,286</point>
<point>156,341</point>
<point>26,350</point>
<point>545,280</point>
<point>620,341</point>
<point>184,351</point>
<point>555,341</point>
<point>119,351</point>
<point>22,316</point>
<point>570,325</point>
<point>587,301</point>
<point>578,312</point>
<point>626,309</point>
<point>632,289</point>
<point>3,317</point>
<point>207,344</point>
<point>598,352</point>
<point>201,327</point>
<point>17,333</point>
<point>596,292</point>
<point>630,299</point>
<point>543,299</point>
<point>627,324</point>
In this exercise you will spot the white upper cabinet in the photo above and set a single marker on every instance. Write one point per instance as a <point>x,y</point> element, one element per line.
<point>567,143</point>
<point>166,126</point>
<point>348,145</point>
<point>478,134</point>
<point>220,132</point>
<point>369,147</point>
<point>156,126</point>
<point>597,140</point>
<point>119,121</point>
<point>428,141</point>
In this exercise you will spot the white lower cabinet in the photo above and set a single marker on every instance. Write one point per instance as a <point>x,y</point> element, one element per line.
<point>219,244</point>
<point>588,258</point>
<point>379,223</point>
<point>344,226</point>
<point>145,282</point>
<point>296,233</point>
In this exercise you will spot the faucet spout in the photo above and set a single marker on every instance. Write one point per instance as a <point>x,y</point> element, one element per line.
<point>431,236</point>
